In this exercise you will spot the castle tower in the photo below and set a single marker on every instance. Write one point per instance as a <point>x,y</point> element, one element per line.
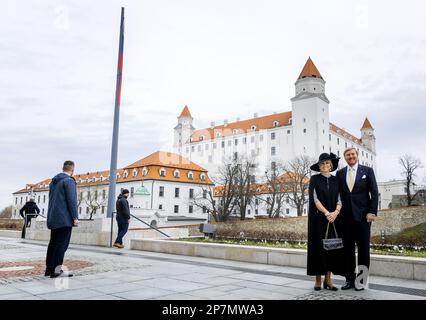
<point>310,113</point>
<point>367,135</point>
<point>183,130</point>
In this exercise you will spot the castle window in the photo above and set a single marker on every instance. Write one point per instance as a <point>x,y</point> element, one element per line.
<point>273,151</point>
<point>202,176</point>
<point>176,209</point>
<point>235,131</point>
<point>304,130</point>
<point>176,192</point>
<point>126,173</point>
<point>236,142</point>
<point>135,172</point>
<point>329,137</point>
<point>162,172</point>
<point>217,134</point>
<point>244,140</point>
<point>304,120</point>
<point>192,148</point>
<point>132,192</point>
<point>201,138</point>
<point>290,120</point>
<point>161,191</point>
<point>272,135</point>
<point>253,127</point>
<point>276,124</point>
<point>176,173</point>
<point>338,141</point>
<point>223,144</point>
<point>288,131</point>
<point>191,209</point>
<point>190,175</point>
<point>144,171</point>
<point>160,207</point>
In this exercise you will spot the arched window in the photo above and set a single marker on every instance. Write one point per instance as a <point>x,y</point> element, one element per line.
<point>126,174</point>
<point>290,120</point>
<point>190,175</point>
<point>162,172</point>
<point>202,176</point>
<point>135,172</point>
<point>253,127</point>
<point>144,171</point>
<point>275,123</point>
<point>176,173</point>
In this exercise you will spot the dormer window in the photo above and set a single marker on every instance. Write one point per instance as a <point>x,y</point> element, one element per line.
<point>176,173</point>
<point>290,120</point>
<point>235,131</point>
<point>190,175</point>
<point>101,178</point>
<point>217,134</point>
<point>118,176</point>
<point>126,174</point>
<point>253,127</point>
<point>144,171</point>
<point>202,176</point>
<point>275,123</point>
<point>201,138</point>
<point>162,172</point>
<point>135,172</point>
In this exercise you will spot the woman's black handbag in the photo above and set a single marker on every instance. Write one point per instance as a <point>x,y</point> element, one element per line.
<point>332,243</point>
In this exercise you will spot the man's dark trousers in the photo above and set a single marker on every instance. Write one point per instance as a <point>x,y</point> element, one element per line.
<point>355,232</point>
<point>59,241</point>
<point>123,226</point>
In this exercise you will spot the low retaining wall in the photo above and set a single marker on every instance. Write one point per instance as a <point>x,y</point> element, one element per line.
<point>10,233</point>
<point>387,266</point>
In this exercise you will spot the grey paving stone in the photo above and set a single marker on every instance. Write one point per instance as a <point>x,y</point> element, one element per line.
<point>78,294</point>
<point>117,288</point>
<point>144,294</point>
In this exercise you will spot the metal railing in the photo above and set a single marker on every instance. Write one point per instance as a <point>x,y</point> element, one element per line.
<point>26,216</point>
<point>112,226</point>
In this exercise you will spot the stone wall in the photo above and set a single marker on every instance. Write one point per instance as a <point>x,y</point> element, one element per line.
<point>390,220</point>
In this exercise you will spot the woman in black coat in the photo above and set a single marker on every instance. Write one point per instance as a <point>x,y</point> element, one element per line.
<point>324,208</point>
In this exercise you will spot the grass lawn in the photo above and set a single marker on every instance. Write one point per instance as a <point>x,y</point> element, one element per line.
<point>408,253</point>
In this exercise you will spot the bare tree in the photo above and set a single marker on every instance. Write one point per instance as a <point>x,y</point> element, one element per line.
<point>245,187</point>
<point>275,188</point>
<point>409,164</point>
<point>296,175</point>
<point>94,199</point>
<point>219,201</point>
<point>6,213</point>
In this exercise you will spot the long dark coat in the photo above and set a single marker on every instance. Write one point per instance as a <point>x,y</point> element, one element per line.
<point>321,261</point>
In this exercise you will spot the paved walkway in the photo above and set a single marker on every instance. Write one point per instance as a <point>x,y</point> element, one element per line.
<point>106,273</point>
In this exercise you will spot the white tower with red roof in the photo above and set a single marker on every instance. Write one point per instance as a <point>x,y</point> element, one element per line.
<point>310,113</point>
<point>183,130</point>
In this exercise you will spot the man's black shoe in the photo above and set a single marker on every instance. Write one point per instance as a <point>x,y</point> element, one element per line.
<point>48,273</point>
<point>348,285</point>
<point>61,274</point>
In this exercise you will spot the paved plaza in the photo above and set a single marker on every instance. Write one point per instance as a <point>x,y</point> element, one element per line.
<point>112,274</point>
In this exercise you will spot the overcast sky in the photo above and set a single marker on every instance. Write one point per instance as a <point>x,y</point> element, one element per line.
<point>223,58</point>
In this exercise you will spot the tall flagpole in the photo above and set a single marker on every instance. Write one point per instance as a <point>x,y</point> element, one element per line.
<point>114,149</point>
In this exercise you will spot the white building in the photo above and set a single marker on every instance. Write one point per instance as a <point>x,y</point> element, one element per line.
<point>305,130</point>
<point>391,188</point>
<point>160,184</point>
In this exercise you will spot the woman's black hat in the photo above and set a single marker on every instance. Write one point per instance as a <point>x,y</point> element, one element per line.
<point>323,157</point>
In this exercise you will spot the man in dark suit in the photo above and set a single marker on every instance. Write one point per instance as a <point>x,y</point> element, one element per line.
<point>360,196</point>
<point>62,215</point>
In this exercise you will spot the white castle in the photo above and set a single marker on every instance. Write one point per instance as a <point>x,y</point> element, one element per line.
<point>278,137</point>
